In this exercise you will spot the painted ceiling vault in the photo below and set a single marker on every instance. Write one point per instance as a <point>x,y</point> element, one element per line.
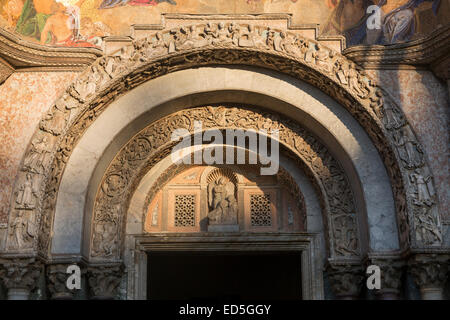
<point>84,23</point>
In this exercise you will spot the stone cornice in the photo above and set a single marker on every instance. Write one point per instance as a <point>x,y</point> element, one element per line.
<point>5,70</point>
<point>21,54</point>
<point>432,51</point>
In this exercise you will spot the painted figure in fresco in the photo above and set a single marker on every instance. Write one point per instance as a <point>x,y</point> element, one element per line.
<point>33,17</point>
<point>106,4</point>
<point>12,10</point>
<point>52,22</point>
<point>349,18</point>
<point>398,19</point>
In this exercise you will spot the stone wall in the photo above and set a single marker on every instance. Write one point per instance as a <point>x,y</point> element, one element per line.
<point>425,102</point>
<point>24,98</point>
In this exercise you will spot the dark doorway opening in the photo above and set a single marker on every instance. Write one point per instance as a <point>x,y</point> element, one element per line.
<point>224,275</point>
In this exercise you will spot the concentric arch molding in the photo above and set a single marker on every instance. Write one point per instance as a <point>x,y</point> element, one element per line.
<point>153,144</point>
<point>236,45</point>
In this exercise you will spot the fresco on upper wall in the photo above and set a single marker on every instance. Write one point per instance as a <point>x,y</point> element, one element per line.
<point>83,23</point>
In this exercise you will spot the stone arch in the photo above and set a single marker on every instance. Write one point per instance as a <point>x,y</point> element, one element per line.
<point>304,59</point>
<point>124,173</point>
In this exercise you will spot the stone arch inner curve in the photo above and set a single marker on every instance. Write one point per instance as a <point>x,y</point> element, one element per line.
<point>110,207</point>
<point>301,58</point>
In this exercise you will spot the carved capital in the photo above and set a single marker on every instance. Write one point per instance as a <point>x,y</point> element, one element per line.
<point>391,277</point>
<point>346,279</point>
<point>429,271</point>
<point>104,281</point>
<point>57,282</point>
<point>20,273</point>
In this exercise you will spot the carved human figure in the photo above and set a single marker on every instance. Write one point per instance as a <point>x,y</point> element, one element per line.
<point>155,215</point>
<point>409,150</point>
<point>54,122</point>
<point>85,89</point>
<point>26,195</point>
<point>222,35</point>
<point>184,38</point>
<point>426,227</point>
<point>251,38</point>
<point>341,69</point>
<point>105,239</point>
<point>221,201</point>
<point>35,159</point>
<point>290,216</point>
<point>321,57</point>
<point>425,190</point>
<point>21,230</point>
<point>279,42</point>
<point>158,47</point>
<point>291,45</point>
<point>392,119</point>
<point>355,82</point>
<point>232,209</point>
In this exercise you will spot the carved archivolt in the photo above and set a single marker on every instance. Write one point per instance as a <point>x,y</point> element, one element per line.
<point>229,44</point>
<point>124,173</point>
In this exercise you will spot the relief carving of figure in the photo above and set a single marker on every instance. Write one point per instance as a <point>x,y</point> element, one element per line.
<point>356,83</point>
<point>105,239</point>
<point>427,228</point>
<point>155,215</point>
<point>222,35</point>
<point>425,190</point>
<point>251,38</point>
<point>345,235</point>
<point>222,202</point>
<point>21,230</point>
<point>279,42</point>
<point>26,195</point>
<point>392,119</point>
<point>408,148</point>
<point>235,33</point>
<point>158,47</point>
<point>342,71</point>
<point>54,122</point>
<point>35,159</point>
<point>321,57</point>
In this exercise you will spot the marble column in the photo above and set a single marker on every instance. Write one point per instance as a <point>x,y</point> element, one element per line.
<point>104,281</point>
<point>430,272</point>
<point>20,276</point>
<point>346,279</point>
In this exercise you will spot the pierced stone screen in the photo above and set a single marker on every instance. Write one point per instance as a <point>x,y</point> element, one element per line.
<point>260,210</point>
<point>185,210</point>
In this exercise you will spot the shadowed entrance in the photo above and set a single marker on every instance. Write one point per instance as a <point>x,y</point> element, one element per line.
<point>224,275</point>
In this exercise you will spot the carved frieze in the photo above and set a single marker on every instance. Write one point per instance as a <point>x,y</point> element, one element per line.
<point>209,44</point>
<point>123,172</point>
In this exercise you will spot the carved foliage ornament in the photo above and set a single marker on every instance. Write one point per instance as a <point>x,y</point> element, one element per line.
<point>230,43</point>
<point>110,208</point>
